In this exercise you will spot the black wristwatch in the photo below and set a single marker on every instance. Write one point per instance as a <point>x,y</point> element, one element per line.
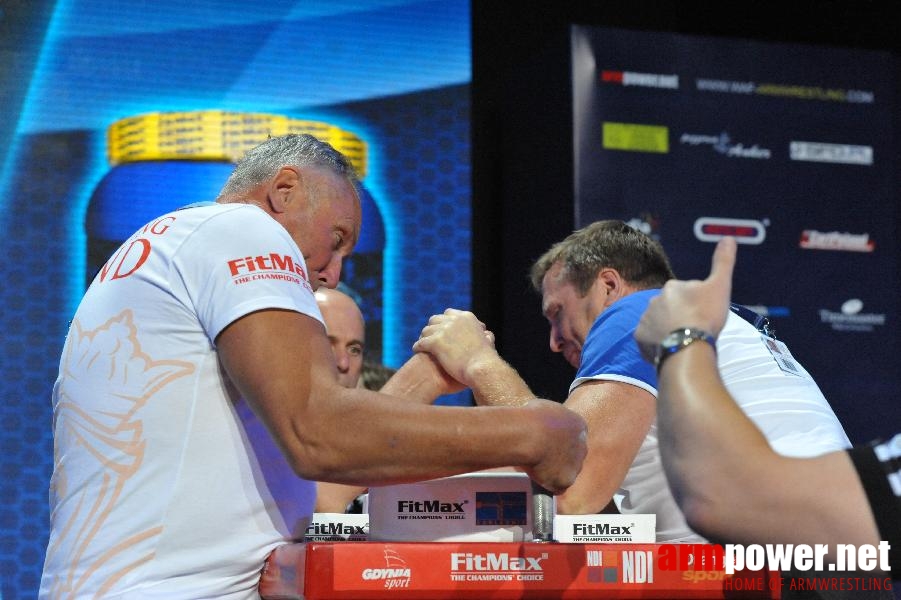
<point>678,339</point>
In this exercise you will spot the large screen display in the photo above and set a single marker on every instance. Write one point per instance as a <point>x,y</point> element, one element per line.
<point>118,111</point>
<point>788,147</point>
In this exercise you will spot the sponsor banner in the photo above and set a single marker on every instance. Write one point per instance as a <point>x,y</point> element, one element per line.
<point>631,78</point>
<point>797,92</point>
<point>745,231</point>
<point>606,529</point>
<point>635,138</point>
<point>831,153</point>
<point>460,571</point>
<point>850,317</point>
<point>723,144</point>
<point>337,527</point>
<point>812,239</point>
<point>484,506</point>
<point>760,132</point>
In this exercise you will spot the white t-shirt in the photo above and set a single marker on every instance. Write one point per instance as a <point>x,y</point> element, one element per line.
<point>771,388</point>
<point>164,481</point>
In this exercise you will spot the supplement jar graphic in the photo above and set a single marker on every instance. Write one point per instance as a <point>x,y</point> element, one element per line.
<point>165,160</point>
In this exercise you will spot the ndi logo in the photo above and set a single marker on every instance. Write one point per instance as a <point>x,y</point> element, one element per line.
<point>627,566</point>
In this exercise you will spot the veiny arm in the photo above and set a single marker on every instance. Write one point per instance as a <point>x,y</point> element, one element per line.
<point>420,380</point>
<point>619,415</point>
<point>280,361</point>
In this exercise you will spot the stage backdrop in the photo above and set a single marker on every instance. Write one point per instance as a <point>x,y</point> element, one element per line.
<point>788,147</point>
<point>116,111</point>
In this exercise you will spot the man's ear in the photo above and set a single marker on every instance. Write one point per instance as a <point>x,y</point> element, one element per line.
<point>284,188</point>
<point>611,282</point>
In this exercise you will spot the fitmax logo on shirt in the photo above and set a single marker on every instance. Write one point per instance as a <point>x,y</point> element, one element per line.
<point>272,266</point>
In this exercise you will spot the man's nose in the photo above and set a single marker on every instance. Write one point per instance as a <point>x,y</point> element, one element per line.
<point>556,340</point>
<point>331,274</point>
<point>343,361</point>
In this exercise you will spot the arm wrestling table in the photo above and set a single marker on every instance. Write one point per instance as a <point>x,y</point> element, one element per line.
<point>480,570</point>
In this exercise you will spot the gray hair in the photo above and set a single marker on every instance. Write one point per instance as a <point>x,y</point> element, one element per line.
<point>638,258</point>
<point>262,162</point>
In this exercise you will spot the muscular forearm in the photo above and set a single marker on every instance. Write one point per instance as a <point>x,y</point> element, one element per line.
<point>496,383</point>
<point>359,437</point>
<point>619,416</point>
<point>385,440</point>
<point>417,380</point>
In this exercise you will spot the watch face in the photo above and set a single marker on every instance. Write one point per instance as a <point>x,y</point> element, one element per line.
<point>679,339</point>
<point>673,339</point>
<point>669,343</point>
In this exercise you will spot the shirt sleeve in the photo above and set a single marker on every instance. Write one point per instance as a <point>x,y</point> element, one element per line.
<point>610,351</point>
<point>879,468</point>
<point>239,262</point>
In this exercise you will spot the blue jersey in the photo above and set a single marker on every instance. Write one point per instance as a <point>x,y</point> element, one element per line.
<point>610,348</point>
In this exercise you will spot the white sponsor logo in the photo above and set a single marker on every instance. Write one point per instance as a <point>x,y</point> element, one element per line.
<point>631,78</point>
<point>831,153</point>
<point>802,557</point>
<point>850,317</point>
<point>640,225</point>
<point>501,566</point>
<point>395,574</point>
<point>722,143</point>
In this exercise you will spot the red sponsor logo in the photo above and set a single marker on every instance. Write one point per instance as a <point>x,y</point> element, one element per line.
<point>612,76</point>
<point>269,266</point>
<point>812,239</point>
<point>630,78</point>
<point>745,231</point>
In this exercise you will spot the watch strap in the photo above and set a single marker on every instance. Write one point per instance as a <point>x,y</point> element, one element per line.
<point>679,339</point>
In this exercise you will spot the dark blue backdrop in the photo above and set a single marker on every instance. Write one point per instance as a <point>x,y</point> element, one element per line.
<point>789,147</point>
